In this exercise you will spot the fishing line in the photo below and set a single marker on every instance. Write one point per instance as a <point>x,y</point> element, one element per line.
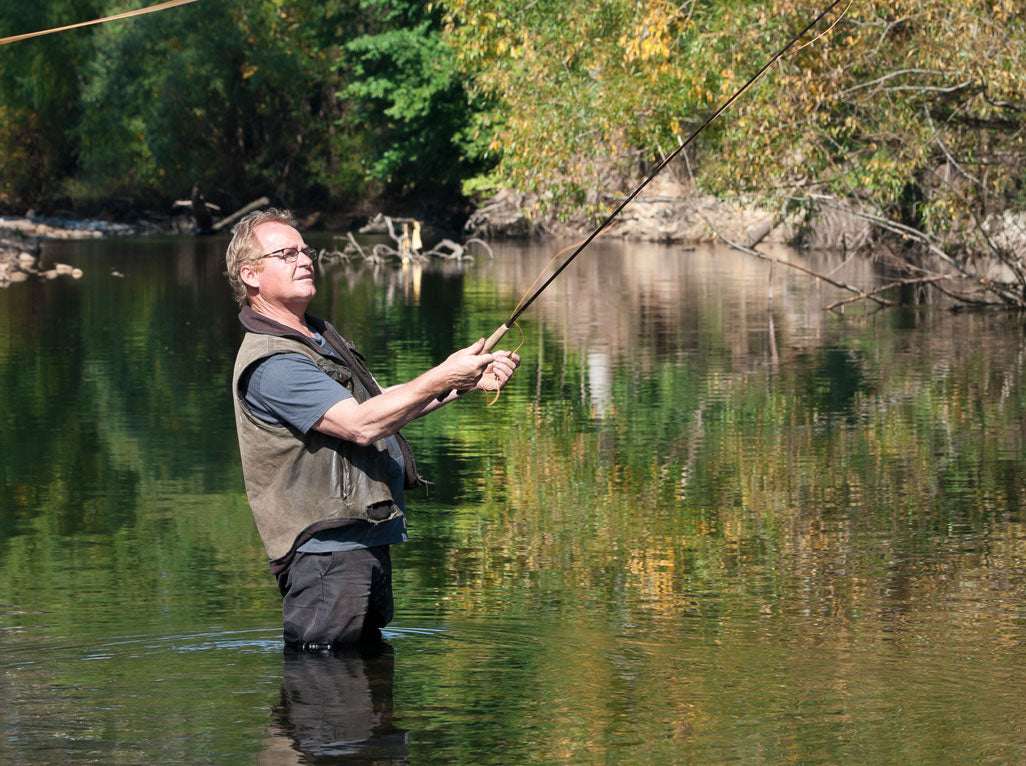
<point>526,301</point>
<point>541,273</point>
<point>127,14</point>
<point>828,30</point>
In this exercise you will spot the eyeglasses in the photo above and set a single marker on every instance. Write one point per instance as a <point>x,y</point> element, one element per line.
<point>290,254</point>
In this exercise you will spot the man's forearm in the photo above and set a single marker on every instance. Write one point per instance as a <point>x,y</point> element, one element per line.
<point>393,408</point>
<point>385,414</point>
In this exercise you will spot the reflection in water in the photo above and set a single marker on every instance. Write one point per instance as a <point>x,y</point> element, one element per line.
<point>338,705</point>
<point>600,385</point>
<point>708,525</point>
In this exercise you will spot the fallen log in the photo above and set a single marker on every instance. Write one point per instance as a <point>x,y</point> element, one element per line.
<point>231,219</point>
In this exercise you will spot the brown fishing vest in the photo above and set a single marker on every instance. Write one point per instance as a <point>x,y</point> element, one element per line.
<point>300,484</point>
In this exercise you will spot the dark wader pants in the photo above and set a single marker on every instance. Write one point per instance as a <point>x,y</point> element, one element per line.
<point>336,598</point>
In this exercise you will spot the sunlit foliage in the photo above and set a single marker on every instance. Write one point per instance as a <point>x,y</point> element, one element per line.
<point>916,107</point>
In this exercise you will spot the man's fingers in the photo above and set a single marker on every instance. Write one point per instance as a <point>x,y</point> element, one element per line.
<point>513,356</point>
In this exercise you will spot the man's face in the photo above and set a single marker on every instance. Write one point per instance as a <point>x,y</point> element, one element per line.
<point>278,282</point>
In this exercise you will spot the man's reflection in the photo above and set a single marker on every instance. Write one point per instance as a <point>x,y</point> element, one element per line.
<point>337,705</point>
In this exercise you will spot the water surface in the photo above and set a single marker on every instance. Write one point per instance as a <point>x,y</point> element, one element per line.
<point>703,526</point>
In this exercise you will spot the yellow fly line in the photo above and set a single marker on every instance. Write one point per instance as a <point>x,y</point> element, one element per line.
<point>115,17</point>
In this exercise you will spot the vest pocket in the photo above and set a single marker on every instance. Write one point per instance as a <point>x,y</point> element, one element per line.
<point>340,478</point>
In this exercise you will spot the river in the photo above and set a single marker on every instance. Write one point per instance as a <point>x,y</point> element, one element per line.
<point>707,523</point>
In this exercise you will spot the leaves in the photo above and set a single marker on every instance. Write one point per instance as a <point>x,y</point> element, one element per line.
<point>915,108</point>
<point>404,84</point>
<point>299,99</point>
<point>894,94</point>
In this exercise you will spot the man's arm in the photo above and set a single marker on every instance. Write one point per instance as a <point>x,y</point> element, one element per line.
<point>387,413</point>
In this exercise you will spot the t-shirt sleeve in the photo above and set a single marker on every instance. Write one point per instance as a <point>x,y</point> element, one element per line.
<point>290,389</point>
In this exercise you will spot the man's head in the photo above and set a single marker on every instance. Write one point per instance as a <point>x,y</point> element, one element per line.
<point>246,248</point>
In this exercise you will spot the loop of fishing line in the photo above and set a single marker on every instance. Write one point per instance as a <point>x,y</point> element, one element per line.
<point>828,30</point>
<point>498,388</point>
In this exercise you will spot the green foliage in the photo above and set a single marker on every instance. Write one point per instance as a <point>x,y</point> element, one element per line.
<point>405,85</point>
<point>39,95</point>
<point>305,101</point>
<point>244,111</point>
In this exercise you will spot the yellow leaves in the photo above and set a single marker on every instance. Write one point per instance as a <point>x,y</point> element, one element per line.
<point>569,79</point>
<point>248,70</point>
<point>655,36</point>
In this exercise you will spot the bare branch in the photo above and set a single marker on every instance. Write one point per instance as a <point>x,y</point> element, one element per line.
<point>892,75</point>
<point>354,245</point>
<point>762,256</point>
<point>1005,291</point>
<point>485,245</point>
<point>888,286</point>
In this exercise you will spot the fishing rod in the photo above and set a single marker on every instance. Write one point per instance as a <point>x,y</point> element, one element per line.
<point>524,304</point>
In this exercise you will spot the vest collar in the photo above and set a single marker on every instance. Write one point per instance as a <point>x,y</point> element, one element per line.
<point>254,321</point>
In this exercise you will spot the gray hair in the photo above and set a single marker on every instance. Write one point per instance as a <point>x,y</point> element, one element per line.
<point>244,249</point>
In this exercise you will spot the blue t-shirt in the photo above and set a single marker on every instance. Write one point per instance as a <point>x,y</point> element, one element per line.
<point>290,389</point>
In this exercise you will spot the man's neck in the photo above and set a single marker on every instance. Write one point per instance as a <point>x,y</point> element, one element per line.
<point>294,317</point>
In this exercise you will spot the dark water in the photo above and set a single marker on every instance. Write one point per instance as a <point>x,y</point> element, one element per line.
<point>700,528</point>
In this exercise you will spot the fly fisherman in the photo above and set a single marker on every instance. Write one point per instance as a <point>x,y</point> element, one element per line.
<point>322,457</point>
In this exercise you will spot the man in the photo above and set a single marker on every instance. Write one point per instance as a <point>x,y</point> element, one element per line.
<point>323,461</point>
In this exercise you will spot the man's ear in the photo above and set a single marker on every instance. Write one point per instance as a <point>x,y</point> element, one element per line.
<point>249,275</point>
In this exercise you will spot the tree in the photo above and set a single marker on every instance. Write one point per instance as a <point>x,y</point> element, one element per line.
<point>39,96</point>
<point>237,99</point>
<point>404,84</point>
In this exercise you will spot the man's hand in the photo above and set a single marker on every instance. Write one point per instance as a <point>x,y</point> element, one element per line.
<point>498,373</point>
<point>464,369</point>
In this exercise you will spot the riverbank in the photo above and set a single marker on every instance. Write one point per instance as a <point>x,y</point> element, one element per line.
<point>21,240</point>
<point>670,211</point>
<point>666,211</point>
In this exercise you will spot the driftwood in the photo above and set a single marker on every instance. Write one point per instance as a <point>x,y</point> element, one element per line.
<point>406,234</point>
<point>231,219</point>
<point>202,215</point>
<point>203,212</point>
<point>455,252</point>
<point>383,224</point>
